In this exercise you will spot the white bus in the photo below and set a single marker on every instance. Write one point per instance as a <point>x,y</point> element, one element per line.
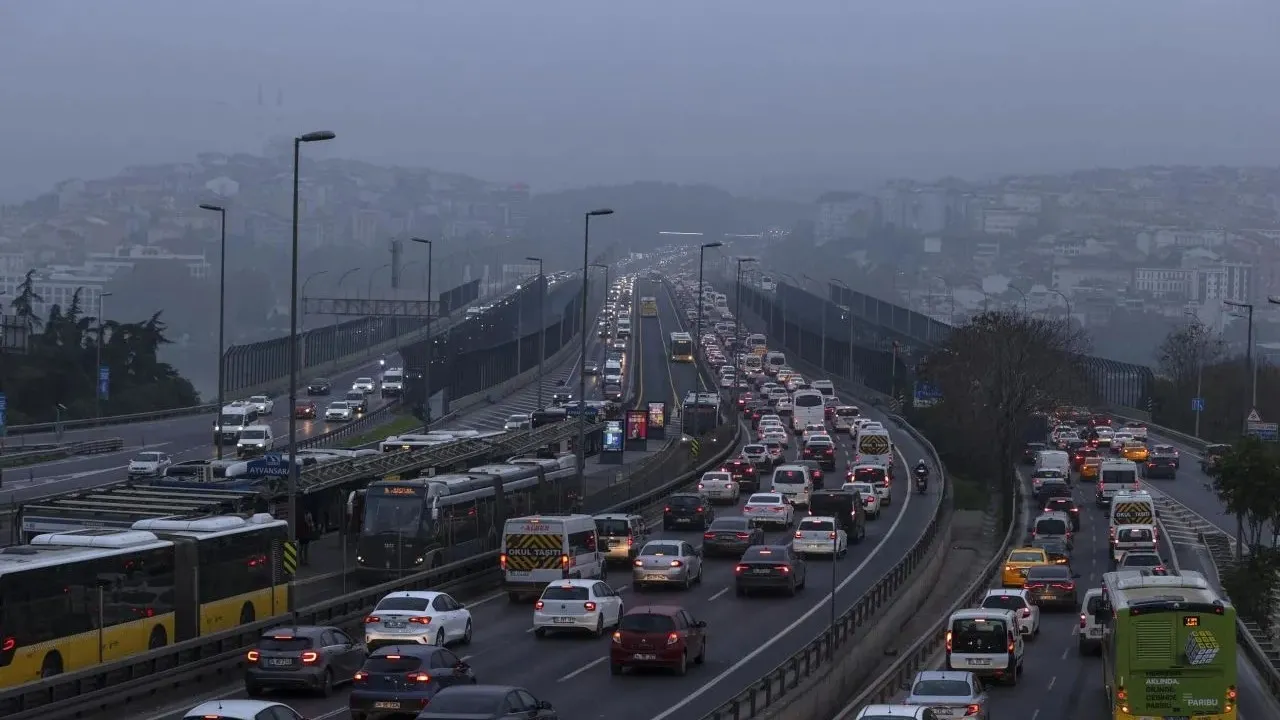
<point>808,410</point>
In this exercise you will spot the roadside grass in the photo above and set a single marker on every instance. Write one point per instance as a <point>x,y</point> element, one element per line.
<point>401,424</point>
<point>970,494</point>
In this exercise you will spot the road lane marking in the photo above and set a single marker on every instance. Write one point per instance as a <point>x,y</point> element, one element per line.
<point>1052,680</point>
<point>722,591</point>
<point>583,669</point>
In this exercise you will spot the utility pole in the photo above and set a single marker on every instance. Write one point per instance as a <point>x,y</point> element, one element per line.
<point>222,314</point>
<point>542,330</point>
<point>430,344</point>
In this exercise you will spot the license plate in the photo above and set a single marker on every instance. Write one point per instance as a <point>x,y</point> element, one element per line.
<point>280,662</point>
<point>979,661</point>
<point>563,621</point>
<point>1095,632</point>
<point>684,520</point>
<point>641,656</point>
<point>386,705</point>
<point>651,578</point>
<point>396,624</point>
<point>761,572</point>
<point>1048,596</point>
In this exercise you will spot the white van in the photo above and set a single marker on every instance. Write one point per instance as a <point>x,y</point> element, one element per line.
<point>1089,634</point>
<point>844,417</point>
<point>825,387</point>
<point>1115,476</point>
<point>1132,508</point>
<point>807,409</point>
<point>873,445</point>
<point>756,340</point>
<point>793,483</point>
<point>254,440</point>
<point>232,421</point>
<point>773,362</point>
<point>752,365</point>
<point>1055,460</point>
<point>987,643</point>
<point>537,550</point>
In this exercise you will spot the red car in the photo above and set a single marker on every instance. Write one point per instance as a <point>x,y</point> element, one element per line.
<point>658,636</point>
<point>743,472</point>
<point>305,410</point>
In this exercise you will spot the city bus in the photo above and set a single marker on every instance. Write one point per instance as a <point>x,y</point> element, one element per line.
<point>649,307</point>
<point>681,347</point>
<point>1168,646</point>
<point>72,600</point>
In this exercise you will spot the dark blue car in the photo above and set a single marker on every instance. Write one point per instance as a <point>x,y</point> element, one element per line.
<point>399,680</point>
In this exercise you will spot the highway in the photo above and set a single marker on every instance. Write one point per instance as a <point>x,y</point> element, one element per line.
<point>573,673</point>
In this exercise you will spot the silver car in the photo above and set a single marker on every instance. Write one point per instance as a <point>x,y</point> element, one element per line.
<point>949,693</point>
<point>666,562</point>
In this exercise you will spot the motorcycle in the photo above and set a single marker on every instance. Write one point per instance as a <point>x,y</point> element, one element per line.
<point>922,481</point>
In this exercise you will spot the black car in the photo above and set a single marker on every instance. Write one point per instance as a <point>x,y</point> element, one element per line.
<point>487,702</point>
<point>1052,586</point>
<point>730,536</point>
<point>402,679</point>
<point>302,657</point>
<point>744,473</point>
<point>769,567</point>
<point>319,386</point>
<point>1029,452</point>
<point>687,510</point>
<point>1160,467</point>
<point>1051,488</point>
<point>357,400</point>
<point>1059,503</point>
<point>816,474</point>
<point>823,450</point>
<point>560,398</point>
<point>842,505</point>
<point>1057,550</point>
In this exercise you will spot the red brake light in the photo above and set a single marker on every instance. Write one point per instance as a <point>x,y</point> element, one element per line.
<point>420,620</point>
<point>589,606</point>
<point>799,534</point>
<point>360,676</point>
<point>676,563</point>
<point>1026,612</point>
<point>310,656</point>
<point>372,619</point>
<point>831,536</point>
<point>740,569</point>
<point>673,638</point>
<point>419,677</point>
<point>1083,620</point>
<point>666,509</point>
<point>502,561</point>
<point>948,641</point>
<point>743,536</point>
<point>784,569</point>
<point>539,605</point>
<point>700,509</point>
<point>253,655</point>
<point>709,535</point>
<point>971,710</point>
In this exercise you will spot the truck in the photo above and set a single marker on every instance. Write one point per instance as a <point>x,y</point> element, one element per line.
<point>1168,647</point>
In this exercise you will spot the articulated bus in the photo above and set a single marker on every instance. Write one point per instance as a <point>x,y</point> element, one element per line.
<point>1168,647</point>
<point>681,347</point>
<point>72,600</point>
<point>649,307</point>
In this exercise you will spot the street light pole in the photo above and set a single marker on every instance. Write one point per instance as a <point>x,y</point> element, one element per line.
<point>102,327</point>
<point>822,352</point>
<point>582,330</point>
<point>222,308</point>
<point>737,322</point>
<point>293,335</point>
<point>1024,297</point>
<point>426,365</point>
<point>336,290</point>
<point>849,309</point>
<point>951,293</point>
<point>1066,300</point>
<point>1248,351</point>
<point>542,330</point>
<point>1200,340</point>
<point>697,337</point>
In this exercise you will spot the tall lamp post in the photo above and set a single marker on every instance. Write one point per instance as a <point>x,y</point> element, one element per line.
<point>1065,300</point>
<point>222,308</point>
<point>737,320</point>
<point>697,336</point>
<point>542,330</point>
<point>430,346</point>
<point>293,336</point>
<point>1253,398</point>
<point>822,353</point>
<point>337,289</point>
<point>1199,367</point>
<point>849,310</point>
<point>102,328</point>
<point>582,336</point>
<point>951,293</point>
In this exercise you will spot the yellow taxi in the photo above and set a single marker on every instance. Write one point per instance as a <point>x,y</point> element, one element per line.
<point>1089,470</point>
<point>1014,573</point>
<point>1136,451</point>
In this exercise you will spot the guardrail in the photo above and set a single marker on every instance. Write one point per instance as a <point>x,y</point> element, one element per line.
<point>1198,443</point>
<point>359,426</point>
<point>68,696</point>
<point>42,453</point>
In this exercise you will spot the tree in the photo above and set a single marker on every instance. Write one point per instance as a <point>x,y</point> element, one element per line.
<point>1186,350</point>
<point>24,302</point>
<point>996,374</point>
<point>1247,481</point>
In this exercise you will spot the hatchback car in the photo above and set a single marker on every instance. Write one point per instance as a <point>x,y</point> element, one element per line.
<point>731,536</point>
<point>658,636</point>
<point>1066,505</point>
<point>1021,603</point>
<point>402,679</point>
<point>958,694</point>
<point>487,702</point>
<point>1162,467</point>
<point>666,562</point>
<point>896,712</point>
<point>582,605</point>
<point>823,450</point>
<point>302,657</point>
<point>687,510</point>
<point>1143,560</point>
<point>241,710</point>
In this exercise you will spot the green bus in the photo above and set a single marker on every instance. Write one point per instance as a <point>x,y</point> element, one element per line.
<point>1168,647</point>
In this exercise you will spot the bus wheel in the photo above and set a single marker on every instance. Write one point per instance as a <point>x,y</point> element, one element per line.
<point>51,666</point>
<point>246,614</point>
<point>159,638</point>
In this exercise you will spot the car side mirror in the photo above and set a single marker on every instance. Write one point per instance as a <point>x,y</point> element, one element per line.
<point>700,624</point>
<point>544,705</point>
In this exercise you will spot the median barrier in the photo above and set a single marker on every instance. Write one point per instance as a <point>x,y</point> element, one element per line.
<point>47,452</point>
<point>109,686</point>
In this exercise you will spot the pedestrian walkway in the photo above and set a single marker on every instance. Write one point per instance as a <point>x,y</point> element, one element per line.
<point>1181,524</point>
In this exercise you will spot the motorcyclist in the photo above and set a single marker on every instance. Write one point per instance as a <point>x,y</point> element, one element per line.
<point>922,473</point>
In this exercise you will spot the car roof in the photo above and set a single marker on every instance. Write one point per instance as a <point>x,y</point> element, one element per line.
<point>410,649</point>
<point>906,711</point>
<point>573,582</point>
<point>231,708</point>
<point>944,675</point>
<point>419,594</point>
<point>295,631</point>
<point>1002,592</point>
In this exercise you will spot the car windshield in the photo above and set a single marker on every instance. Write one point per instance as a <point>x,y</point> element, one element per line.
<point>684,500</point>
<point>789,477</point>
<point>284,643</point>
<point>320,381</point>
<point>941,688</point>
<point>414,604</point>
<point>612,527</point>
<point>764,499</point>
<point>392,663</point>
<point>1026,557</point>
<point>232,419</point>
<point>1004,602</point>
<point>763,553</point>
<point>517,418</point>
<point>646,623</point>
<point>560,592</point>
<point>253,435</point>
<point>1052,573</point>
<point>339,405</point>
<point>753,449</point>
<point>868,475</point>
<point>811,524</point>
<point>1051,526</point>
<point>1134,535</point>
<point>661,548</point>
<point>147,457</point>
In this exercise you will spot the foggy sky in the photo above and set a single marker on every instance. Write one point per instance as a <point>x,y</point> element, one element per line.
<point>571,92</point>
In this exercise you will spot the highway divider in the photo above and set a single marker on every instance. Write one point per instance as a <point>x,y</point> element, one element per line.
<point>116,684</point>
<point>55,451</point>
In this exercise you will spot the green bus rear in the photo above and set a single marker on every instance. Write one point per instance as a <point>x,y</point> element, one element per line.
<point>1171,659</point>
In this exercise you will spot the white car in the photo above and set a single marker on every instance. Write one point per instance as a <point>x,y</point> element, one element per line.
<point>875,475</point>
<point>778,436</point>
<point>811,429</point>
<point>718,486</point>
<point>421,617</point>
<point>769,509</point>
<point>263,404</point>
<point>727,381</point>
<point>612,378</point>
<point>364,385</point>
<point>1019,601</point>
<point>576,605</point>
<point>818,535</point>
<point>241,710</point>
<point>149,464</point>
<point>339,411</point>
<point>519,421</point>
<point>870,498</point>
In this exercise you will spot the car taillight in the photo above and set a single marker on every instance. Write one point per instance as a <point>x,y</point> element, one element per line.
<point>666,509</point>
<point>700,509</point>
<point>564,561</point>
<point>1083,620</point>
<point>784,569</point>
<point>424,620</point>
<point>743,536</point>
<point>639,563</point>
<point>309,657</point>
<point>948,641</point>
<point>1160,568</point>
<point>830,451</point>
<point>252,657</point>
<point>360,676</point>
<point>868,500</point>
<point>1026,612</point>
<point>419,677</point>
<point>372,619</point>
<point>1033,585</point>
<point>701,486</point>
<point>589,606</point>
<point>1065,586</point>
<point>502,561</point>
<point>673,638</point>
<point>630,541</point>
<point>676,563</point>
<point>739,569</point>
<point>971,710</point>
<point>617,637</point>
<point>539,605</point>
<point>709,536</point>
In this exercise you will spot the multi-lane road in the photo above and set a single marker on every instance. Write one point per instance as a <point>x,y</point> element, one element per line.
<point>748,636</point>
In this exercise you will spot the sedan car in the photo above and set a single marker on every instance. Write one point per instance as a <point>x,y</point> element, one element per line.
<point>149,464</point>
<point>364,384</point>
<point>339,411</point>
<point>402,679</point>
<point>769,567</point>
<point>756,454</point>
<point>769,509</point>
<point>1020,602</point>
<point>583,605</point>
<point>689,510</point>
<point>613,392</point>
<point>1160,466</point>
<point>319,386</point>
<point>518,421</point>
<point>959,694</point>
<point>305,410</point>
<point>718,486</point>
<point>1052,586</point>
<point>1167,451</point>
<point>487,702</point>
<point>241,710</point>
<point>1143,560</point>
<point>731,536</point>
<point>263,404</point>
<point>591,368</point>
<point>666,562</point>
<point>417,616</point>
<point>358,401</point>
<point>302,657</point>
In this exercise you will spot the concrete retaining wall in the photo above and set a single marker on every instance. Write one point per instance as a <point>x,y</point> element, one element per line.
<point>497,392</point>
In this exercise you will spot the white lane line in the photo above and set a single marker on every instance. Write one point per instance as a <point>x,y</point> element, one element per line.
<point>722,591</point>
<point>583,669</point>
<point>821,605</point>
<point>1052,680</point>
<point>1064,652</point>
<point>337,712</point>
